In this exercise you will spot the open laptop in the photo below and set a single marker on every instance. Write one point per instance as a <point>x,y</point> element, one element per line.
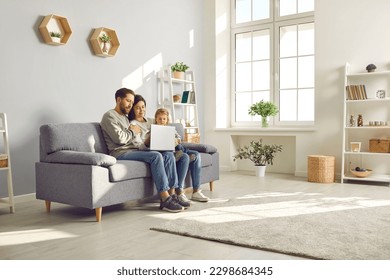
<point>162,138</point>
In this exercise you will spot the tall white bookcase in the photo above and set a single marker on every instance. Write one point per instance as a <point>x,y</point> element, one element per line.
<point>376,125</point>
<point>179,96</point>
<point>6,169</point>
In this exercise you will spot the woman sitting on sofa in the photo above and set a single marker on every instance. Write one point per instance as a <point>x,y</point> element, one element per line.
<point>137,117</point>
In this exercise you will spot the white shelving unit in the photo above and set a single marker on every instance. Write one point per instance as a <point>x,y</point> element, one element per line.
<point>4,130</point>
<point>181,111</point>
<point>372,109</point>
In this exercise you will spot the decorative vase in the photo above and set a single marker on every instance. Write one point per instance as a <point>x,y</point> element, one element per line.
<point>360,120</point>
<point>264,122</point>
<point>105,48</point>
<point>178,75</point>
<point>352,121</point>
<point>260,170</point>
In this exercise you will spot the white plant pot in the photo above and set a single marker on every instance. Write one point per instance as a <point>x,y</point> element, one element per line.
<point>260,170</point>
<point>56,39</point>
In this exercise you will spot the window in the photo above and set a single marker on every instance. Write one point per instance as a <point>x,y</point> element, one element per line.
<point>273,59</point>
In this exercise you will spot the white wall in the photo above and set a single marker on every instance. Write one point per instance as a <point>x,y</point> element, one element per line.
<point>348,30</point>
<point>40,83</point>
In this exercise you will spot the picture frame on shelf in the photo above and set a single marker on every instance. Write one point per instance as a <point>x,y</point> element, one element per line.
<point>355,147</point>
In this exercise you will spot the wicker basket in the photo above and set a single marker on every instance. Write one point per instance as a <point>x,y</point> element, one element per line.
<point>192,137</point>
<point>321,169</point>
<point>379,146</point>
<point>3,160</point>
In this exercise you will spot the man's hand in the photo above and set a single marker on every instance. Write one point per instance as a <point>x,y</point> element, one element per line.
<point>135,128</point>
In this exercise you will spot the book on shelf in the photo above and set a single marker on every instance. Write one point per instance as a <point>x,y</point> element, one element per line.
<point>356,92</point>
<point>191,97</point>
<point>188,97</point>
<point>184,96</point>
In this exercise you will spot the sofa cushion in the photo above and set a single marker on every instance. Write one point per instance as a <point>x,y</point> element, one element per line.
<point>72,157</point>
<point>81,137</point>
<point>202,148</point>
<point>129,169</point>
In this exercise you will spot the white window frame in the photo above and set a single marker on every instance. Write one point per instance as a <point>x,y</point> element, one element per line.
<point>273,23</point>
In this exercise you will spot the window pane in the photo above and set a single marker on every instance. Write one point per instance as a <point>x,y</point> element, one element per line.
<point>288,41</point>
<point>306,71</point>
<point>293,62</point>
<point>306,105</point>
<point>261,95</point>
<point>243,102</point>
<point>288,105</point>
<point>305,6</point>
<point>288,73</point>
<point>243,76</point>
<point>288,7</point>
<point>243,47</point>
<point>261,75</point>
<point>243,11</point>
<point>261,45</point>
<point>306,39</point>
<point>260,9</point>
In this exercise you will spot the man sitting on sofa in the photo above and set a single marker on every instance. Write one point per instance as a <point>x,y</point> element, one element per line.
<point>119,136</point>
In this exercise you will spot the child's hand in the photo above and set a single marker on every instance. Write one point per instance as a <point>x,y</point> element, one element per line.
<point>177,141</point>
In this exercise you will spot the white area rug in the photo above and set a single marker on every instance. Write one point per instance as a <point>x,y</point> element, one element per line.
<point>311,225</point>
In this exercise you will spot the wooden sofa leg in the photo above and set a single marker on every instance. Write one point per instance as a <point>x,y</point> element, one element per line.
<point>47,204</point>
<point>211,186</point>
<point>98,212</point>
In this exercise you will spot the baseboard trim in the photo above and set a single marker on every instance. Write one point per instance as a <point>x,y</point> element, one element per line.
<point>24,198</point>
<point>300,174</point>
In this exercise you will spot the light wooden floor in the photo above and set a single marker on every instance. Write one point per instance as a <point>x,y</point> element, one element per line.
<point>72,233</point>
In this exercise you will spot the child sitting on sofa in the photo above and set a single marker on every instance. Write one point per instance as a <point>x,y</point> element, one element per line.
<point>161,117</point>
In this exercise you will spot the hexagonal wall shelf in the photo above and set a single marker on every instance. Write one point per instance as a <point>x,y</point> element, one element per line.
<point>55,24</point>
<point>98,46</point>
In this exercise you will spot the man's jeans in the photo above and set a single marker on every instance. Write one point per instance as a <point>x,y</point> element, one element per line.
<point>162,166</point>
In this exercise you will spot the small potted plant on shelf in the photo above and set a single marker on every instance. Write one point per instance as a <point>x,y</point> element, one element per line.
<point>263,109</point>
<point>105,39</point>
<point>178,70</point>
<point>260,154</point>
<point>55,37</point>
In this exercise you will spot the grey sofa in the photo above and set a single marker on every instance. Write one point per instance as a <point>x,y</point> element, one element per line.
<point>75,169</point>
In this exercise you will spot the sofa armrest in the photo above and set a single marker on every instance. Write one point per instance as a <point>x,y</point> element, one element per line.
<point>87,158</point>
<point>202,148</point>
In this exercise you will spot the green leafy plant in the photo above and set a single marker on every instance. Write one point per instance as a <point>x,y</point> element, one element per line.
<point>179,67</point>
<point>55,34</point>
<point>105,38</point>
<point>258,153</point>
<point>263,109</point>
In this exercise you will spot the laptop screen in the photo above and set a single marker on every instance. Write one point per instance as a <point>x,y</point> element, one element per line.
<point>162,138</point>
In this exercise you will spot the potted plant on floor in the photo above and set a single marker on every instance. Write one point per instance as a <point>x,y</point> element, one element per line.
<point>263,109</point>
<point>178,70</point>
<point>260,154</point>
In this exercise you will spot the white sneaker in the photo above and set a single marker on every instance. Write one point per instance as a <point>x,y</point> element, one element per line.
<point>199,196</point>
<point>183,197</point>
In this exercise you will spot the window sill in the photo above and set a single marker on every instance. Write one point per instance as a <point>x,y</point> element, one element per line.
<point>268,130</point>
